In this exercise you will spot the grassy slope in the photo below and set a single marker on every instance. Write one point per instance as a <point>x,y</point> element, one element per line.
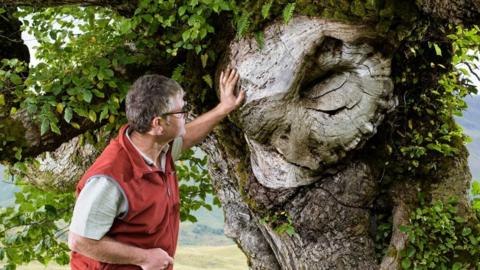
<point>187,258</point>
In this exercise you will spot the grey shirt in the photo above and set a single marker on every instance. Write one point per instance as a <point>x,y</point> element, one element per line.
<point>102,199</point>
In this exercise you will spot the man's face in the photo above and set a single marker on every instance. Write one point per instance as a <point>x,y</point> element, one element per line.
<point>175,123</point>
<point>315,92</point>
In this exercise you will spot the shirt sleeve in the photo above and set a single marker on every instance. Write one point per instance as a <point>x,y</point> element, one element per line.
<point>98,204</point>
<point>177,148</point>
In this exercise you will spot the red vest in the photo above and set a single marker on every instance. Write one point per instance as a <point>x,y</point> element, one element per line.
<point>153,214</point>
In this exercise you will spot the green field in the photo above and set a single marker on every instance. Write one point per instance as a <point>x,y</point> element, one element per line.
<point>187,258</point>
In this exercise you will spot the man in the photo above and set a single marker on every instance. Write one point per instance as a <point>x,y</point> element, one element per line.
<point>127,211</point>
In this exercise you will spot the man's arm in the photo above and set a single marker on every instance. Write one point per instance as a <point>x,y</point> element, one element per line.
<point>110,251</point>
<point>198,129</point>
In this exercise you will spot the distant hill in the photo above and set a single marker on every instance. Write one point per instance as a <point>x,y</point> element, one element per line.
<point>7,190</point>
<point>471,125</point>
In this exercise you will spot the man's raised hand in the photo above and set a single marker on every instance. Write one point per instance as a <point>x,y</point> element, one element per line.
<point>228,100</point>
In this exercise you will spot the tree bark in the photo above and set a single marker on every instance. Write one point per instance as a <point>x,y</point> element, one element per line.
<point>458,12</point>
<point>298,150</point>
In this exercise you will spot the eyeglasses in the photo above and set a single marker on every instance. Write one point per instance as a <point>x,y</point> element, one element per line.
<point>180,114</point>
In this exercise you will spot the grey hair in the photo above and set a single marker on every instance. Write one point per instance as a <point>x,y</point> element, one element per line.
<point>148,97</point>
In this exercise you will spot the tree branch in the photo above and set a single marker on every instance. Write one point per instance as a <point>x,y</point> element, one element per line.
<point>472,70</point>
<point>455,11</point>
<point>124,7</point>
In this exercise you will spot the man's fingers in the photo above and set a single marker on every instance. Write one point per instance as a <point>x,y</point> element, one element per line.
<point>237,75</point>
<point>232,74</point>
<point>170,260</point>
<point>221,78</point>
<point>240,97</point>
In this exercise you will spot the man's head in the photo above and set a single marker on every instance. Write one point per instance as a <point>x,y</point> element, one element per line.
<point>150,98</point>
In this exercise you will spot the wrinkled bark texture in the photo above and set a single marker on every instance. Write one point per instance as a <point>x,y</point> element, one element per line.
<point>316,93</point>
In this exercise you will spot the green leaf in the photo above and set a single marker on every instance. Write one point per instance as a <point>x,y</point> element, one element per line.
<point>125,26</point>
<point>92,116</point>
<point>182,10</point>
<point>148,18</point>
<point>87,95</point>
<point>288,12</point>
<point>68,114</point>
<point>438,51</point>
<point>406,263</point>
<point>108,72</point>
<point>457,266</point>
<point>186,35</point>
<point>208,80</point>
<point>103,114</point>
<point>466,231</point>
<point>410,251</point>
<point>14,78</point>
<point>45,126</point>
<point>177,73</point>
<point>475,188</point>
<point>55,128</point>
<point>290,230</point>
<point>204,58</point>
<point>18,154</point>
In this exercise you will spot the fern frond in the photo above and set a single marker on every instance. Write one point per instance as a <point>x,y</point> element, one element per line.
<point>288,12</point>
<point>266,9</point>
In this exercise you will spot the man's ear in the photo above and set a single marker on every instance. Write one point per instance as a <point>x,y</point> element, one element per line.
<point>157,126</point>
